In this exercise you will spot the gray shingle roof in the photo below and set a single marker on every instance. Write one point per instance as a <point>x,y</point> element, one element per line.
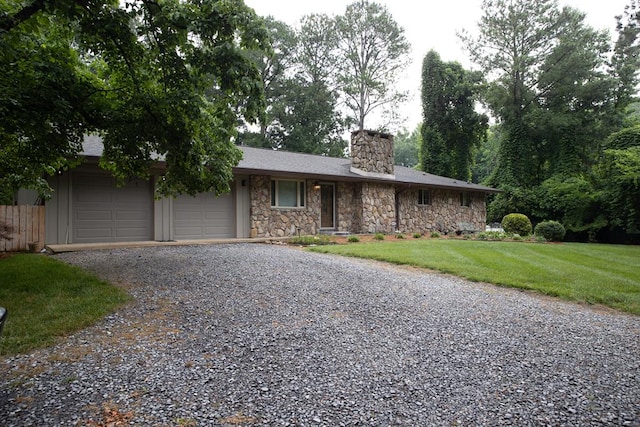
<point>260,160</point>
<point>287,164</point>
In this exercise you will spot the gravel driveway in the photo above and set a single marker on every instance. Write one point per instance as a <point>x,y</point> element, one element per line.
<point>254,334</point>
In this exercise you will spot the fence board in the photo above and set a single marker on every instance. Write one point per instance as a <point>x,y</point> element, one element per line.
<point>28,227</point>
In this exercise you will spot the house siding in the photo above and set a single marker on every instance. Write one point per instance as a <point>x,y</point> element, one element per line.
<point>267,221</point>
<point>378,208</point>
<point>444,214</point>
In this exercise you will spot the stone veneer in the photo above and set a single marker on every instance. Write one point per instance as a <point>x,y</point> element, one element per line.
<point>366,207</point>
<point>279,222</point>
<point>378,208</point>
<point>444,214</point>
<point>372,152</point>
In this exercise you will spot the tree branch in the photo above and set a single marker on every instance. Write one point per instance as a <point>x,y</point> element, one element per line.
<point>10,22</point>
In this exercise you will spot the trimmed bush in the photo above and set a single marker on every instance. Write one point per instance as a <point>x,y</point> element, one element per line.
<point>552,231</point>
<point>353,239</point>
<point>417,235</point>
<point>516,223</point>
<point>378,236</point>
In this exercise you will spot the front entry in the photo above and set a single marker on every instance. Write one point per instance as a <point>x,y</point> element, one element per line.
<point>327,206</point>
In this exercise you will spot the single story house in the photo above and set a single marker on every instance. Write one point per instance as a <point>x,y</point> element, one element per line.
<point>274,194</point>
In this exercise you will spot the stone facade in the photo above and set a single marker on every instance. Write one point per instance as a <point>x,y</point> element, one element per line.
<point>279,222</point>
<point>372,152</point>
<point>366,206</point>
<point>348,206</point>
<point>378,208</point>
<point>444,214</point>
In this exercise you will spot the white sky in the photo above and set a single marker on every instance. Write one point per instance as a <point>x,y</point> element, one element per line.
<point>429,25</point>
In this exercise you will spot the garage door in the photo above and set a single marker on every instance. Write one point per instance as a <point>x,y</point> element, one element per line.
<point>103,212</point>
<point>204,217</point>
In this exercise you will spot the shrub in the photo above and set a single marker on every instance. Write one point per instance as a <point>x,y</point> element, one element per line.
<point>435,234</point>
<point>515,223</point>
<point>552,231</point>
<point>378,236</point>
<point>311,240</point>
<point>417,235</point>
<point>399,236</point>
<point>491,235</point>
<point>353,239</point>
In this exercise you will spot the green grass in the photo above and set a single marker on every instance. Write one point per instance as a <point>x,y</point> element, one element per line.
<point>590,273</point>
<point>47,299</point>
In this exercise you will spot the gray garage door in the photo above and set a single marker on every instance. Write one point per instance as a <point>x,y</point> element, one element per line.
<point>204,217</point>
<point>103,212</point>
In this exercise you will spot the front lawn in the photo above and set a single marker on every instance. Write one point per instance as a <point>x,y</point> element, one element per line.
<point>591,273</point>
<point>46,299</point>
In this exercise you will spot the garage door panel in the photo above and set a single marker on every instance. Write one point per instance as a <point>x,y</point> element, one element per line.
<point>90,233</point>
<point>204,217</point>
<point>106,213</point>
<point>94,215</point>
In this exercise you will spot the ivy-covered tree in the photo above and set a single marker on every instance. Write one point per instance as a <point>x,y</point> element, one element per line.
<point>625,62</point>
<point>618,181</point>
<point>139,73</point>
<point>550,94</point>
<point>451,127</point>
<point>373,53</point>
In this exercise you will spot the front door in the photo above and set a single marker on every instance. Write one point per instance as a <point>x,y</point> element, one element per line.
<point>327,208</point>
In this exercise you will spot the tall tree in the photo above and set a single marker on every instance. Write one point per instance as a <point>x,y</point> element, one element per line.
<point>405,147</point>
<point>625,63</point>
<point>138,73</point>
<point>276,70</point>
<point>373,54</point>
<point>549,93</point>
<point>515,37</point>
<point>302,102</point>
<point>451,128</point>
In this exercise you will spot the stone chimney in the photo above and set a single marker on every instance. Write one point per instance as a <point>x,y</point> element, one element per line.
<point>372,153</point>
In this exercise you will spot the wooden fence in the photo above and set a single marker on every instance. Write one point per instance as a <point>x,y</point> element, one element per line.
<point>27,225</point>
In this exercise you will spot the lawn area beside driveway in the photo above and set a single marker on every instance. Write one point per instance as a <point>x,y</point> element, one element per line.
<point>47,299</point>
<point>255,334</point>
<point>589,273</point>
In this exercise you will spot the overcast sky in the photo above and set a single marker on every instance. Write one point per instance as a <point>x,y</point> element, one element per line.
<point>429,25</point>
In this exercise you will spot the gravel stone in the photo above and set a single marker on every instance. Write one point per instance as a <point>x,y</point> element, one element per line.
<point>256,334</point>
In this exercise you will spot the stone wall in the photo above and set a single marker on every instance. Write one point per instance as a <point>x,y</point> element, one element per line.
<point>348,206</point>
<point>378,208</point>
<point>372,152</point>
<point>365,208</point>
<point>279,222</point>
<point>444,214</point>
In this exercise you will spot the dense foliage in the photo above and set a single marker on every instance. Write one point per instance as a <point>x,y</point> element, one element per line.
<point>166,78</point>
<point>552,231</point>
<point>327,75</point>
<point>516,223</point>
<point>561,94</point>
<point>451,127</point>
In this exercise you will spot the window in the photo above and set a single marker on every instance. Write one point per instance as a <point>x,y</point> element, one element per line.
<point>465,199</point>
<point>424,197</point>
<point>287,193</point>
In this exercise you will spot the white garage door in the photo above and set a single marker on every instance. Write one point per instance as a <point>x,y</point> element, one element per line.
<point>204,217</point>
<point>103,212</point>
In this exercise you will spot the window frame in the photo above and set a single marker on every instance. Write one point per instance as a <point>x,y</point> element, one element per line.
<point>465,199</point>
<point>421,193</point>
<point>301,193</point>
